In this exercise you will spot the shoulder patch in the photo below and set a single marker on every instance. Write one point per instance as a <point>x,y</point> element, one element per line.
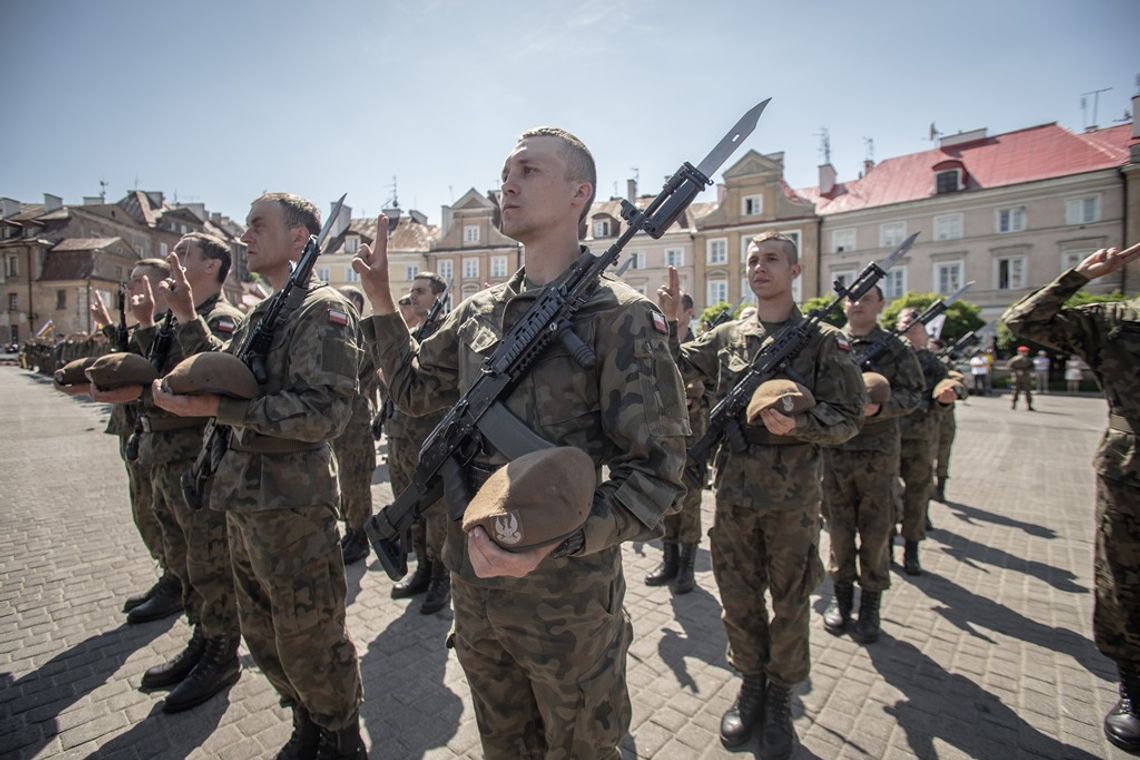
<point>337,317</point>
<point>225,325</point>
<point>842,343</point>
<point>659,323</point>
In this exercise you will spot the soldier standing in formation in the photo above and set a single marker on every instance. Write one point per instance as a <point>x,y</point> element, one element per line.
<point>683,530</point>
<point>1107,337</point>
<point>947,430</point>
<point>1021,377</point>
<point>765,537</point>
<point>277,484</point>
<point>859,476</point>
<point>542,634</point>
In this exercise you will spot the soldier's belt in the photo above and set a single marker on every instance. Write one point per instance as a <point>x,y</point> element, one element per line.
<point>163,424</point>
<point>1122,424</point>
<point>267,444</point>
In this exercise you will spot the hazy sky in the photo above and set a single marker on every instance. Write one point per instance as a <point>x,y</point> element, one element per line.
<point>218,101</point>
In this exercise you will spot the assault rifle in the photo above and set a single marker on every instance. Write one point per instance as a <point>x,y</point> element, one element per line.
<point>159,351</point>
<point>867,358</point>
<point>727,315</point>
<point>122,340</point>
<point>549,318</point>
<point>386,408</point>
<point>774,359</point>
<point>960,345</point>
<point>253,350</point>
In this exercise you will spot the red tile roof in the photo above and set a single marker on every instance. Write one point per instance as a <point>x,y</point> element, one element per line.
<point>1026,155</point>
<point>84,244</point>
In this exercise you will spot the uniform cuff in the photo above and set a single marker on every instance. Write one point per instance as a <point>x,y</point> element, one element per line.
<point>232,411</point>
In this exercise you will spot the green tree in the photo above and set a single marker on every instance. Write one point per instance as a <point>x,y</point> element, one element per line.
<point>835,316</point>
<point>710,314</point>
<point>961,317</point>
<point>1007,342</point>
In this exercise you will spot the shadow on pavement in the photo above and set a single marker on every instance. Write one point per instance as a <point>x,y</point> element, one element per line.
<point>692,612</point>
<point>971,553</point>
<point>169,736</point>
<point>972,515</point>
<point>954,710</point>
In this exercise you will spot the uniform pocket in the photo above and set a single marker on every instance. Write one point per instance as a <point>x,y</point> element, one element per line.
<point>662,393</point>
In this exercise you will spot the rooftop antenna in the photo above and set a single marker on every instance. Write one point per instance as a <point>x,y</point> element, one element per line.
<point>934,133</point>
<point>103,190</point>
<point>394,201</point>
<point>869,144</point>
<point>824,144</point>
<point>1096,104</point>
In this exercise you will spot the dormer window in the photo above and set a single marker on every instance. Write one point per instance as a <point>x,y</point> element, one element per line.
<point>752,205</point>
<point>601,228</point>
<point>949,181</point>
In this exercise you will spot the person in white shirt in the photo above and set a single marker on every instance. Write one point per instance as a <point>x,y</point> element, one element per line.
<point>1041,364</point>
<point>980,370</point>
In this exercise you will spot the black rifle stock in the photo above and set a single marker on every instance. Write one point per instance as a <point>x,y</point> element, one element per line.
<point>550,317</point>
<point>159,351</point>
<point>386,408</point>
<point>868,357</point>
<point>122,340</point>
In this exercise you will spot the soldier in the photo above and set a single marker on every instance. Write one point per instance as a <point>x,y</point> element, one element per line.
<point>1021,377</point>
<point>277,484</point>
<point>765,536</point>
<point>542,634</point>
<point>683,530</point>
<point>918,433</point>
<point>356,453</point>
<point>1107,337</point>
<point>947,430</point>
<point>406,434</point>
<point>859,475</point>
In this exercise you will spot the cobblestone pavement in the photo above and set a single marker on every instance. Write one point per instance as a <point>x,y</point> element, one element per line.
<point>986,655</point>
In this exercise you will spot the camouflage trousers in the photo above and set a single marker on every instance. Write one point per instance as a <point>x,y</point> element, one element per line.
<point>197,552</point>
<point>916,468</point>
<point>1116,615</point>
<point>1022,386</point>
<point>289,579</point>
<point>684,527</point>
<point>947,429</point>
<point>142,506</point>
<point>858,502</point>
<point>546,672</point>
<point>429,533</point>
<point>776,551</point>
<point>356,461</point>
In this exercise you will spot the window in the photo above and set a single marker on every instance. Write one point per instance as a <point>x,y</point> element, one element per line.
<point>1011,273</point>
<point>1011,219</point>
<point>12,265</point>
<point>446,271</point>
<point>717,292</point>
<point>350,275</point>
<point>717,251</point>
<point>947,277</point>
<point>948,227</point>
<point>163,250</point>
<point>674,257</point>
<point>843,240</point>
<point>61,299</point>
<point>948,181</point>
<point>410,271</point>
<point>470,233</point>
<point>352,244</point>
<point>637,260</point>
<point>752,205</point>
<point>471,269</point>
<point>323,274</point>
<point>1070,259</point>
<point>1082,210</point>
<point>601,228</point>
<point>891,234</point>
<point>498,266</point>
<point>13,302</point>
<point>843,277</point>
<point>894,284</point>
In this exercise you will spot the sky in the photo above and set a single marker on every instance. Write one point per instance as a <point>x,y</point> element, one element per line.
<point>216,102</point>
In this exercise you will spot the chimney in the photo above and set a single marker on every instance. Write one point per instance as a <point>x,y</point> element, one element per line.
<point>868,165</point>
<point>418,217</point>
<point>92,200</point>
<point>445,220</point>
<point>340,224</point>
<point>631,190</point>
<point>52,202</point>
<point>8,207</point>
<point>215,217</point>
<point>826,179</point>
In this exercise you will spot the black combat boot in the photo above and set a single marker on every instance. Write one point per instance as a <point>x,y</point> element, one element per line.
<point>910,559</point>
<point>838,613</point>
<point>306,737</point>
<point>166,601</point>
<point>416,583</point>
<point>218,669</point>
<point>439,589</point>
<point>1122,724</point>
<point>779,738</point>
<point>685,580</point>
<point>354,546</point>
<point>344,744</point>
<point>737,724</point>
<point>866,630</point>
<point>940,490</point>
<point>134,601</point>
<point>171,673</point>
<point>667,570</point>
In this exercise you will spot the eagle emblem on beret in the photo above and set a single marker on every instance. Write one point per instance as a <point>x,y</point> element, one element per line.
<point>507,530</point>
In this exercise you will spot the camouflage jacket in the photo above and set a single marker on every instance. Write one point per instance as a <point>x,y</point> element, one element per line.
<point>917,425</point>
<point>404,426</point>
<point>626,412</point>
<point>1021,369</point>
<point>779,472</point>
<point>900,366</point>
<point>312,364</point>
<point>1107,337</point>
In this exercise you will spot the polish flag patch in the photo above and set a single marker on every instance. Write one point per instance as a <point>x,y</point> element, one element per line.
<point>225,325</point>
<point>842,343</point>
<point>659,323</point>
<point>337,317</point>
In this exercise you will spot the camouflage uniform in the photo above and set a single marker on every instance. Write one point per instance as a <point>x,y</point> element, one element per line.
<point>356,451</point>
<point>1021,379</point>
<point>765,536</point>
<point>947,429</point>
<point>918,433</point>
<point>684,527</point>
<point>194,542</point>
<point>859,475</point>
<point>122,423</point>
<point>544,655</point>
<point>1107,337</point>
<point>278,486</point>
